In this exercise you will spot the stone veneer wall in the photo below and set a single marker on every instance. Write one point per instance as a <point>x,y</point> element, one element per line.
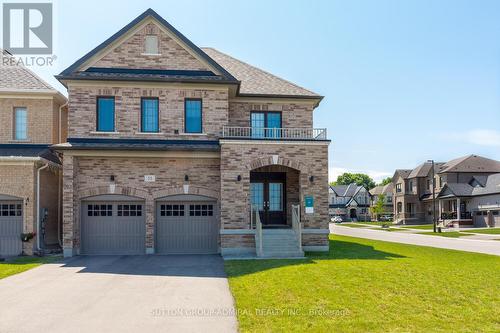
<point>82,111</point>
<point>89,176</point>
<point>238,158</point>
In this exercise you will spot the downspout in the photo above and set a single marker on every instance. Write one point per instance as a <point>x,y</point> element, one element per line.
<point>38,222</point>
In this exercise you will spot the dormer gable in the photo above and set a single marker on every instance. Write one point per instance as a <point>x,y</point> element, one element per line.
<point>147,46</point>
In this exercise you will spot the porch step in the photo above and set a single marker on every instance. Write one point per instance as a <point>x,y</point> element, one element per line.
<point>280,243</point>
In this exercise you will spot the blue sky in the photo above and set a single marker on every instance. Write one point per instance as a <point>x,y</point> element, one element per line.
<point>404,81</point>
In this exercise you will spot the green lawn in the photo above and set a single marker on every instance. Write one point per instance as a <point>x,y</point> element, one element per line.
<point>364,285</point>
<point>22,264</point>
<point>376,223</point>
<point>493,231</point>
<point>422,227</point>
<point>450,234</point>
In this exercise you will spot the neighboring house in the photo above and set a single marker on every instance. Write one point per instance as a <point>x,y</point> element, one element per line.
<point>413,200</point>
<point>32,118</point>
<point>387,192</point>
<point>170,145</point>
<point>350,202</point>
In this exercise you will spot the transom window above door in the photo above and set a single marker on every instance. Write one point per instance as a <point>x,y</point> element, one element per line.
<point>265,124</point>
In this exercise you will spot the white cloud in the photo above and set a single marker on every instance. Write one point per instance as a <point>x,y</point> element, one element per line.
<point>483,137</point>
<point>377,176</point>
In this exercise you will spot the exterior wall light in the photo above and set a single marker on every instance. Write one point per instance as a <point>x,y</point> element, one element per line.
<point>311,178</point>
<point>186,178</point>
<point>238,178</point>
<point>112,178</point>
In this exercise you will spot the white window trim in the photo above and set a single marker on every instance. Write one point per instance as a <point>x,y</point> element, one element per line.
<point>103,132</point>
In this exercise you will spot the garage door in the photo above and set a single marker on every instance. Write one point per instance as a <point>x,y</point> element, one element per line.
<point>186,227</point>
<point>113,228</point>
<point>11,227</point>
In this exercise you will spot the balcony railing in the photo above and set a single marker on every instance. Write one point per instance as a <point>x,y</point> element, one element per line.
<point>274,133</point>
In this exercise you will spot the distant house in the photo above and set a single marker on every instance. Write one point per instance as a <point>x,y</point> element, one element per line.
<point>467,192</point>
<point>375,195</point>
<point>350,202</point>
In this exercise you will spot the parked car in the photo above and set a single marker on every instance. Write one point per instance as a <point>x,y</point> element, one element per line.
<point>385,218</point>
<point>336,219</point>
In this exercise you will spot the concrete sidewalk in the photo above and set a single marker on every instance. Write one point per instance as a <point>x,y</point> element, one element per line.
<point>187,293</point>
<point>462,244</point>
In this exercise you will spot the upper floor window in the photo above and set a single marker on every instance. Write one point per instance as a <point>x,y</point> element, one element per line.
<point>192,116</point>
<point>398,188</point>
<point>440,181</point>
<point>20,124</point>
<point>149,115</point>
<point>265,124</point>
<point>105,114</point>
<point>151,44</point>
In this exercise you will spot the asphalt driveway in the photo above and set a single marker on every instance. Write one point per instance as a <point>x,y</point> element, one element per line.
<point>188,293</point>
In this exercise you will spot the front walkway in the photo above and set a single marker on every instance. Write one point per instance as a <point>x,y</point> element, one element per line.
<point>120,294</point>
<point>462,244</point>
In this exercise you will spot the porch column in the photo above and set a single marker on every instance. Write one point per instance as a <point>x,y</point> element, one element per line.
<point>440,209</point>
<point>458,209</point>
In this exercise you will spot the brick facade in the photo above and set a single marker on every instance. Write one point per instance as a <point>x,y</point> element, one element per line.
<point>91,176</point>
<point>298,115</point>
<point>131,53</point>
<point>82,116</point>
<point>304,160</point>
<point>43,117</point>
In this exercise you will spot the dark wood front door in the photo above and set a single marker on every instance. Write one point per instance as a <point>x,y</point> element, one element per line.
<point>267,192</point>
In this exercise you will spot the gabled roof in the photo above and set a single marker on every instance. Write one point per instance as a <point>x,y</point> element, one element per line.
<point>403,173</point>
<point>346,190</point>
<point>15,78</point>
<point>255,81</point>
<point>382,189</point>
<point>249,80</point>
<point>491,186</point>
<point>70,71</point>
<point>423,169</point>
<point>471,163</point>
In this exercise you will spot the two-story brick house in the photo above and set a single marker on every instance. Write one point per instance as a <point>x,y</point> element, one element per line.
<point>413,199</point>
<point>170,145</point>
<point>385,192</point>
<point>32,117</point>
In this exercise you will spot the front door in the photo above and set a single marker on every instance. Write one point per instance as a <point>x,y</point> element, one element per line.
<point>267,193</point>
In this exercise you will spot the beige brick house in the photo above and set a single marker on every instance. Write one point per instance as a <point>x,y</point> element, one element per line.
<point>32,115</point>
<point>169,146</point>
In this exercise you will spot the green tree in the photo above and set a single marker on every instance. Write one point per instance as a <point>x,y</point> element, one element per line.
<point>378,208</point>
<point>359,178</point>
<point>386,181</point>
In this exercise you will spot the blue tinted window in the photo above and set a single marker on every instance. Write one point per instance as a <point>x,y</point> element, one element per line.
<point>193,116</point>
<point>149,116</point>
<point>273,120</point>
<point>258,124</point>
<point>21,120</point>
<point>106,114</point>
